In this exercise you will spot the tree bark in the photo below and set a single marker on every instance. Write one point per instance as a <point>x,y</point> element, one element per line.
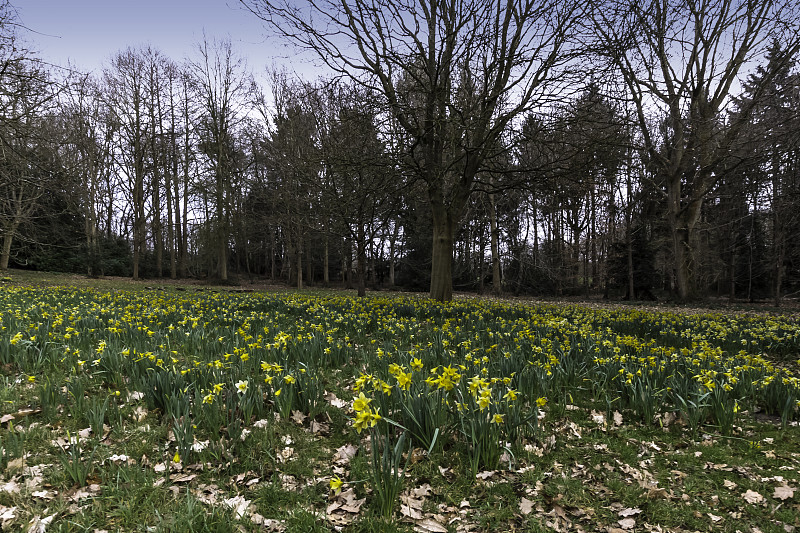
<point>8,237</point>
<point>497,288</point>
<point>326,277</point>
<point>361,254</point>
<point>299,266</point>
<point>442,256</point>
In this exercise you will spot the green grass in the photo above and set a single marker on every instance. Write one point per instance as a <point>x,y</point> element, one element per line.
<point>572,471</point>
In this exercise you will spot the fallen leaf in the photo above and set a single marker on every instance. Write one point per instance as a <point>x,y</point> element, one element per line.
<point>728,484</point>
<point>350,504</point>
<point>423,491</point>
<point>269,523</point>
<point>574,429</point>
<point>81,494</point>
<point>344,454</point>
<point>7,513</point>
<point>627,523</point>
<point>238,504</point>
<point>410,512</point>
<point>629,512</point>
<point>783,492</point>
<point>319,428</point>
<point>334,401</point>
<point>658,492</point>
<point>617,418</point>
<point>714,518</point>
<point>21,413</point>
<point>525,506</point>
<point>6,418</point>
<point>429,526</point>
<point>182,478</point>
<point>288,483</point>
<point>39,525</point>
<point>752,497</point>
<point>135,396</point>
<point>286,454</point>
<point>485,474</point>
<point>10,486</point>
<point>15,465</point>
<point>298,417</point>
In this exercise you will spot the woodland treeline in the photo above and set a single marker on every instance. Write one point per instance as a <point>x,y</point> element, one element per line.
<point>626,149</point>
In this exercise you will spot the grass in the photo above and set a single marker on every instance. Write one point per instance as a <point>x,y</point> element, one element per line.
<point>134,364</point>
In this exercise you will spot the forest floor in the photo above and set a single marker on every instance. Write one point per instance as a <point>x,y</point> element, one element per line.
<point>176,406</point>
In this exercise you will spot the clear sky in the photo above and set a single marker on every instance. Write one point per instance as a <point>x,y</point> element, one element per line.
<point>88,32</point>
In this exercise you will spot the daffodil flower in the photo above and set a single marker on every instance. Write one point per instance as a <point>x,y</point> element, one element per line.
<point>361,403</point>
<point>336,485</point>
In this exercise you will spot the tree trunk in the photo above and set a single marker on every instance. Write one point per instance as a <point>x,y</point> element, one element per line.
<point>222,228</point>
<point>442,256</point>
<point>778,233</point>
<point>682,220</point>
<point>273,245</point>
<point>361,245</point>
<point>631,278</point>
<point>326,277</point>
<point>497,288</point>
<point>5,255</point>
<point>299,264</point>
<point>373,275</point>
<point>392,244</point>
<point>309,269</point>
<point>347,263</point>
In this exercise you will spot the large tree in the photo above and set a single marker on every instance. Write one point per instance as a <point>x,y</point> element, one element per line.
<point>27,95</point>
<point>453,74</point>
<point>86,153</point>
<point>680,60</point>
<point>354,180</point>
<point>773,143</point>
<point>223,89</point>
<point>125,82</point>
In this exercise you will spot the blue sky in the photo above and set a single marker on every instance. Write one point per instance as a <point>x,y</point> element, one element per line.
<point>88,32</point>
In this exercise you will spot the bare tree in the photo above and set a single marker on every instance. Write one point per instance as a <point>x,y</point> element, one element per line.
<point>292,154</point>
<point>86,153</point>
<point>224,89</point>
<point>26,97</point>
<point>125,84</point>
<point>454,74</point>
<point>353,184</point>
<point>680,59</point>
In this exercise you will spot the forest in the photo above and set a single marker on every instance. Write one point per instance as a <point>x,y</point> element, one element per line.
<point>616,149</point>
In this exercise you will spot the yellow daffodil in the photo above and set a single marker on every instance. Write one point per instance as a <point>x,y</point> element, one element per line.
<point>336,485</point>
